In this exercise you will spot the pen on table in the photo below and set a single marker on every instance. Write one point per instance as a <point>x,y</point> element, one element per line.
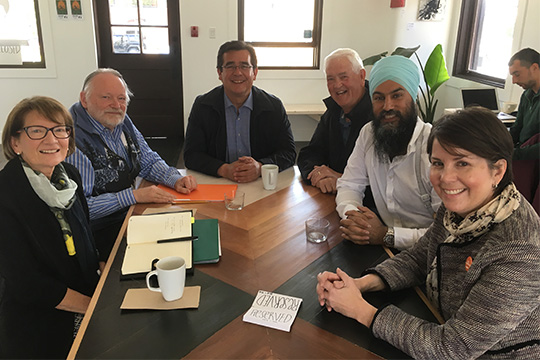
<point>187,238</point>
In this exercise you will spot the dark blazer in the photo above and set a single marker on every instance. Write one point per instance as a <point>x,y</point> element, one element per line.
<point>271,138</point>
<point>326,146</point>
<point>36,269</point>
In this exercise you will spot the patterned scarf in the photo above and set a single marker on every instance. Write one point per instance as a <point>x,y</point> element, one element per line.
<point>472,226</point>
<point>59,194</point>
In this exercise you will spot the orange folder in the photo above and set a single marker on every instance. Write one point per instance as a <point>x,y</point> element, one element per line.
<point>203,193</point>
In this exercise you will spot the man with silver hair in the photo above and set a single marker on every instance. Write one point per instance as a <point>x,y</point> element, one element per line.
<point>111,153</point>
<point>390,156</point>
<point>322,162</point>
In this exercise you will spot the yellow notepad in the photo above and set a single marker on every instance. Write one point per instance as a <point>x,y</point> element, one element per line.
<point>145,236</point>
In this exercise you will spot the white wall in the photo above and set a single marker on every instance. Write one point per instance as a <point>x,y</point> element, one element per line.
<point>369,26</point>
<point>70,55</point>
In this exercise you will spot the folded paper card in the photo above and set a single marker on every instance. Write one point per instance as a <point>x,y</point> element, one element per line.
<point>273,310</point>
<point>145,236</point>
<point>146,299</point>
<point>203,193</point>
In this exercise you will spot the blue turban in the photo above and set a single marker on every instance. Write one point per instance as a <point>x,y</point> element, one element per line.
<point>397,68</point>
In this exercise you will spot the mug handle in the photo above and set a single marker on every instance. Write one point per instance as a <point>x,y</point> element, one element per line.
<point>148,276</point>
<point>272,178</point>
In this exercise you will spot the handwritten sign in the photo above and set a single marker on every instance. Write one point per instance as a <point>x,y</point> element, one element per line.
<point>273,310</point>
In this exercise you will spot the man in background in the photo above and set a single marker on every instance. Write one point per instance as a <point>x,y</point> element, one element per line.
<point>348,109</point>
<point>525,71</point>
<point>390,156</point>
<point>236,128</point>
<point>111,153</point>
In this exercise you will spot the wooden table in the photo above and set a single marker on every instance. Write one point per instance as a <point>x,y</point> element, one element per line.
<point>263,248</point>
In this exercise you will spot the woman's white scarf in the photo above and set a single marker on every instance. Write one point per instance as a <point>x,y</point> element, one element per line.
<point>58,198</point>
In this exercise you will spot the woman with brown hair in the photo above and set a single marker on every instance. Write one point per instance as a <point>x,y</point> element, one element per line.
<point>480,259</point>
<point>48,261</point>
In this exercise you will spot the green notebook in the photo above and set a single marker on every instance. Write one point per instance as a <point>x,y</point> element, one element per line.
<point>206,249</point>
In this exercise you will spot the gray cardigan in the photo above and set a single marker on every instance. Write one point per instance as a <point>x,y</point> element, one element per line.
<point>491,310</point>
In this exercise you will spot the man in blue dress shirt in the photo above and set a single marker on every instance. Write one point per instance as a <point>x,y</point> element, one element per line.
<point>111,153</point>
<point>236,128</point>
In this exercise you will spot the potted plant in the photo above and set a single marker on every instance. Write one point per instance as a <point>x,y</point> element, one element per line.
<point>434,74</point>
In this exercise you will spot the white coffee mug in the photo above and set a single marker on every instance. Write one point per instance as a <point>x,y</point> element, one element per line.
<point>269,173</point>
<point>171,274</point>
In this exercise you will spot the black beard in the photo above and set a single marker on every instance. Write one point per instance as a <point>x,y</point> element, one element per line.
<point>390,140</point>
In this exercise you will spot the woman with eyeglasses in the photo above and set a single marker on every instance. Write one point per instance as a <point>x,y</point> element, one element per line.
<point>48,262</point>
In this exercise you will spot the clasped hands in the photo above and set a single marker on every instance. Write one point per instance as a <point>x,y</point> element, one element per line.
<point>340,292</point>
<point>324,178</point>
<point>363,227</point>
<point>153,194</point>
<point>243,170</point>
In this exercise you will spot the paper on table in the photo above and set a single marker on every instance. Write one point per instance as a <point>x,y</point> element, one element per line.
<point>146,299</point>
<point>150,228</point>
<point>144,231</point>
<point>273,310</point>
<point>204,192</point>
<point>138,258</point>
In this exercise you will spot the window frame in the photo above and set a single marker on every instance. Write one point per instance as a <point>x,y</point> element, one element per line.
<point>33,65</point>
<point>139,28</point>
<point>467,38</point>
<point>315,40</point>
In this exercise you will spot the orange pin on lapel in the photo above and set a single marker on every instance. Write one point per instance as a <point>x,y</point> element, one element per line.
<point>468,263</point>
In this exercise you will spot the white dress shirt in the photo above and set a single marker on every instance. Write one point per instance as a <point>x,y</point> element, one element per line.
<point>394,185</point>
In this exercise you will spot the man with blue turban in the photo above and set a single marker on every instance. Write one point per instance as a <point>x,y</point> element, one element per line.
<point>389,156</point>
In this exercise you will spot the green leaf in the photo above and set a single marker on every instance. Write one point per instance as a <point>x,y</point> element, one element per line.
<point>435,69</point>
<point>373,59</point>
<point>407,52</point>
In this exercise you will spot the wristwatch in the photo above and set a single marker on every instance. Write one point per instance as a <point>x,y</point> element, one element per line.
<point>388,239</point>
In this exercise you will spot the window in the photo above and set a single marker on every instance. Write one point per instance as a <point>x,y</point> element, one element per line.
<point>484,44</point>
<point>21,44</point>
<point>136,20</point>
<point>285,34</point>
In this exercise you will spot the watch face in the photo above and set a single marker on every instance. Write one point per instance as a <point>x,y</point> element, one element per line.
<point>389,240</point>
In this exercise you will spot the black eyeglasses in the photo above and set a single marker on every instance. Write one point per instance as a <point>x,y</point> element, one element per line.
<point>38,132</point>
<point>243,67</point>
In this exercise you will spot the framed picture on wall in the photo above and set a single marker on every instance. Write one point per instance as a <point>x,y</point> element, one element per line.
<point>431,10</point>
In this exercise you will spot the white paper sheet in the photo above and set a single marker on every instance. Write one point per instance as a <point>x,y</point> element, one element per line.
<point>273,310</point>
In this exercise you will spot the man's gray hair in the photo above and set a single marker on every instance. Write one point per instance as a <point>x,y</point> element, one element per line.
<point>87,85</point>
<point>354,58</point>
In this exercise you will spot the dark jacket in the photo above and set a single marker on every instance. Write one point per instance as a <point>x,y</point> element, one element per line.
<point>271,138</point>
<point>326,146</point>
<point>491,308</point>
<point>527,125</point>
<point>36,270</point>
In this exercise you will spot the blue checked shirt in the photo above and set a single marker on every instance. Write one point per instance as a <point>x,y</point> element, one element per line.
<point>238,142</point>
<point>153,168</point>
